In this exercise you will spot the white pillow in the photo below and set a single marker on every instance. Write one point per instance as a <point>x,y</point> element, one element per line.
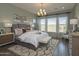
<point>18,32</point>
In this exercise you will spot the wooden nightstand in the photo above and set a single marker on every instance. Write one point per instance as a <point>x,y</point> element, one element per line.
<point>6,38</point>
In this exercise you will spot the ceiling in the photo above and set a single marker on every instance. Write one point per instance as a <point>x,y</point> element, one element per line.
<point>50,7</point>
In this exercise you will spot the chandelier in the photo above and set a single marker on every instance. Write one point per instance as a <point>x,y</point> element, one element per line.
<point>41,11</point>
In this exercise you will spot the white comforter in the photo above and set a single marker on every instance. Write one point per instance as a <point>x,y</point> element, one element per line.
<point>34,37</point>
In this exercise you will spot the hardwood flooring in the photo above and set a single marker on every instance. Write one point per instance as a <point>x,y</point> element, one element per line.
<point>62,48</point>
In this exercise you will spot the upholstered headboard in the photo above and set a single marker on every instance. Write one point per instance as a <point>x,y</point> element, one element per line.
<point>21,26</point>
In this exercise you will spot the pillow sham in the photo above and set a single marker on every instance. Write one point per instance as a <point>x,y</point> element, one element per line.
<point>24,30</point>
<point>18,32</point>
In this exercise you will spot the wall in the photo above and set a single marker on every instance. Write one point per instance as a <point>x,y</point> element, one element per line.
<point>8,13</point>
<point>77,11</point>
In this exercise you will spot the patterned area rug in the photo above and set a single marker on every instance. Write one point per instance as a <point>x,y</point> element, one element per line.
<point>46,50</point>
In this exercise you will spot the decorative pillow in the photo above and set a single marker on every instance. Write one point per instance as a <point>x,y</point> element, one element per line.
<point>24,30</point>
<point>18,31</point>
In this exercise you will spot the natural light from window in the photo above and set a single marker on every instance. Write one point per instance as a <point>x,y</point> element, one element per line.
<point>42,24</point>
<point>63,24</point>
<point>51,24</point>
<point>54,24</point>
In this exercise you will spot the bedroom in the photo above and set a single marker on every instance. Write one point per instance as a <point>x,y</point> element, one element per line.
<point>23,32</point>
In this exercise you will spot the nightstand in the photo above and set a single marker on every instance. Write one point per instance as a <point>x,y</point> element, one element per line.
<point>6,38</point>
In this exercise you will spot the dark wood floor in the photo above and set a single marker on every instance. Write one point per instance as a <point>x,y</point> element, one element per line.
<point>61,49</point>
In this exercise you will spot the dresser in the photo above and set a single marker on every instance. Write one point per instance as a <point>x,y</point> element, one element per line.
<point>74,44</point>
<point>6,38</point>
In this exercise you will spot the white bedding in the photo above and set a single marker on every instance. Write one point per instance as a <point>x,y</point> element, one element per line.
<point>34,37</point>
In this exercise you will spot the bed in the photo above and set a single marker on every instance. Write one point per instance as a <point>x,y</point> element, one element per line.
<point>33,37</point>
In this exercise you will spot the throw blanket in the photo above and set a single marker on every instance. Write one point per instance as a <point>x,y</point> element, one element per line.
<point>34,37</point>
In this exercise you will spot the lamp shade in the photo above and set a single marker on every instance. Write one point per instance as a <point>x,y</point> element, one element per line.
<point>8,25</point>
<point>73,21</point>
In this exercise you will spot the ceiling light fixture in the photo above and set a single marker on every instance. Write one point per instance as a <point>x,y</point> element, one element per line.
<point>41,11</point>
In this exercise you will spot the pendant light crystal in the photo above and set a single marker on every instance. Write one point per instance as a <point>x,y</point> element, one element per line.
<point>41,11</point>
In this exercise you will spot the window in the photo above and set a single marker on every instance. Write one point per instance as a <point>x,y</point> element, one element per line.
<point>33,23</point>
<point>42,24</point>
<point>51,24</point>
<point>63,24</point>
<point>55,23</point>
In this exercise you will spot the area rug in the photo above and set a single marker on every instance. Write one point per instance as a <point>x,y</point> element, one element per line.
<point>40,51</point>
